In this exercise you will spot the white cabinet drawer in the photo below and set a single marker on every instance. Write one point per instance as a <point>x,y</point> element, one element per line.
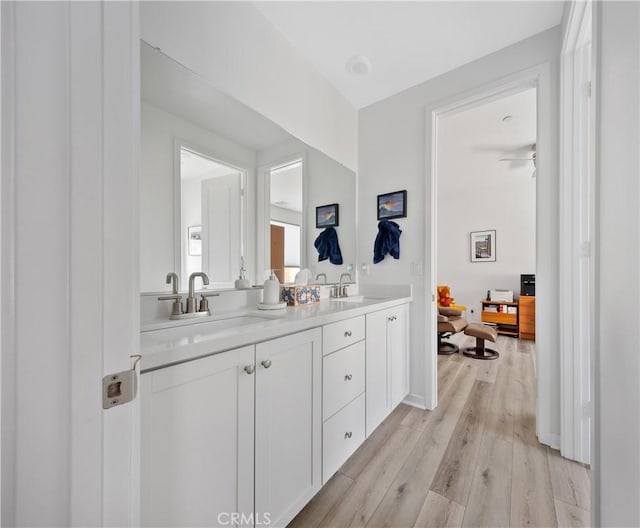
<point>342,434</point>
<point>341,334</point>
<point>342,378</point>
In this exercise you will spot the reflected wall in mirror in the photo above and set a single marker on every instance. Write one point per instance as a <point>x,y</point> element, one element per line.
<point>194,138</point>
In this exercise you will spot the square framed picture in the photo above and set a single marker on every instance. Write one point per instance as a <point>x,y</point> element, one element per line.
<point>392,205</point>
<point>483,246</point>
<point>327,216</point>
<point>195,241</point>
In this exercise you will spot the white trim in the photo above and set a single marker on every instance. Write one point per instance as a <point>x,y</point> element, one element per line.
<point>577,234</point>
<point>415,400</point>
<point>539,77</point>
<point>7,265</point>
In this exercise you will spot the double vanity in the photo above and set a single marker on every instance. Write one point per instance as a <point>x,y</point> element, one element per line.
<point>247,415</point>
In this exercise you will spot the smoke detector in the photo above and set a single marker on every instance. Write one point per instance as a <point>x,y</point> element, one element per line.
<point>359,66</point>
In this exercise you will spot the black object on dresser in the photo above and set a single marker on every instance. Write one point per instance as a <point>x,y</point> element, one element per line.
<point>528,285</point>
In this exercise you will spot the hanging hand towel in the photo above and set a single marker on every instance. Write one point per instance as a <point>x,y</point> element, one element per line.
<point>387,241</point>
<point>328,247</point>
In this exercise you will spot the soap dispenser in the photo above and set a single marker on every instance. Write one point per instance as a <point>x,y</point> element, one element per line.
<point>242,283</point>
<point>271,290</point>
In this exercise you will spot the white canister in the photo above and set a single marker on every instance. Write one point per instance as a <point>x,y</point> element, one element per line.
<point>271,293</point>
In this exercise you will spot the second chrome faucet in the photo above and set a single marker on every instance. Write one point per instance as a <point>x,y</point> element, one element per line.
<point>192,308</point>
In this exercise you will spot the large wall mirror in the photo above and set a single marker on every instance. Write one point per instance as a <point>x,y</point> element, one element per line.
<point>222,186</point>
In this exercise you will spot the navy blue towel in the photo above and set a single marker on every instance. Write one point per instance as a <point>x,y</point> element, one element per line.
<point>387,241</point>
<point>328,247</point>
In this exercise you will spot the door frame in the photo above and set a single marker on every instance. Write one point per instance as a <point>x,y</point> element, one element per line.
<point>578,236</point>
<point>263,214</point>
<point>547,325</point>
<point>215,156</point>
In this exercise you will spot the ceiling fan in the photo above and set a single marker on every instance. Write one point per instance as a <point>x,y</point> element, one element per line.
<point>531,157</point>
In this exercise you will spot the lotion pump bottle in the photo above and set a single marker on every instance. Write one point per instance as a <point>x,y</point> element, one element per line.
<point>242,283</point>
<point>271,290</point>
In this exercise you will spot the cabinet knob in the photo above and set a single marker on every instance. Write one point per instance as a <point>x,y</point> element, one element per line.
<point>266,363</point>
<point>348,377</point>
<point>250,369</point>
<point>392,318</point>
<point>347,333</point>
<point>348,435</point>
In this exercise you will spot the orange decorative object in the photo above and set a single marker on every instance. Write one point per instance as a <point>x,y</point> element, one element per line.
<point>444,296</point>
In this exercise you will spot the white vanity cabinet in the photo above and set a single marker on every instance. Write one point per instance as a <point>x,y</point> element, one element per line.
<point>288,424</point>
<point>343,387</point>
<point>197,440</point>
<point>203,420</point>
<point>387,366</point>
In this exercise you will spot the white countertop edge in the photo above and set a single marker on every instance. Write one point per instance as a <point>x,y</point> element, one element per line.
<point>158,353</point>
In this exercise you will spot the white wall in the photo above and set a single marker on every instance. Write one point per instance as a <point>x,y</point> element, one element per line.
<point>392,136</point>
<point>157,186</point>
<point>235,48</point>
<point>477,192</point>
<point>617,390</point>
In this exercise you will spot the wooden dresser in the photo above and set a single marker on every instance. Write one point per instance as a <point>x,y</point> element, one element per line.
<point>527,317</point>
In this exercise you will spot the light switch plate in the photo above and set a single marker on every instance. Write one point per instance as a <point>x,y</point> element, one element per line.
<point>119,388</point>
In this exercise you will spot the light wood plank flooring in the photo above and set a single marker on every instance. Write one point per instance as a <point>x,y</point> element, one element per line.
<point>473,461</point>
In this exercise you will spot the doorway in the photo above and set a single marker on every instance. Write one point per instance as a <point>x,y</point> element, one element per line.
<point>211,218</point>
<point>286,219</point>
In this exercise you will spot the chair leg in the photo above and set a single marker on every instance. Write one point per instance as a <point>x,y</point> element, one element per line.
<point>446,348</point>
<point>480,351</point>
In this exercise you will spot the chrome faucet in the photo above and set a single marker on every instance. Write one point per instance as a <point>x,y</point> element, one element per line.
<point>191,299</point>
<point>192,309</point>
<point>322,275</point>
<point>342,288</point>
<point>172,278</point>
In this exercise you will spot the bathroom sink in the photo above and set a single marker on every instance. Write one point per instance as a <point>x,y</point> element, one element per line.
<point>210,326</point>
<point>355,299</point>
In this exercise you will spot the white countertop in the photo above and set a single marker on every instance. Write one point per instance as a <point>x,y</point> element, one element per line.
<point>163,347</point>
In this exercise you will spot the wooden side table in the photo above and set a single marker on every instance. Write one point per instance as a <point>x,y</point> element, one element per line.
<point>527,317</point>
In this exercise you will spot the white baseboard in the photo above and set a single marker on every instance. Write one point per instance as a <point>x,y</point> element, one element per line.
<point>550,439</point>
<point>415,400</point>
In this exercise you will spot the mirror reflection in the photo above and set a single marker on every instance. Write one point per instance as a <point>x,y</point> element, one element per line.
<point>286,220</point>
<point>222,186</point>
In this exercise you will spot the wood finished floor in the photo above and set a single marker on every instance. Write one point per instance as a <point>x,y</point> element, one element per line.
<point>473,461</point>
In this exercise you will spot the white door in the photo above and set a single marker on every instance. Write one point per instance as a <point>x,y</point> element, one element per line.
<point>377,381</point>
<point>288,425</point>
<point>221,228</point>
<point>70,210</point>
<point>397,343</point>
<point>197,441</point>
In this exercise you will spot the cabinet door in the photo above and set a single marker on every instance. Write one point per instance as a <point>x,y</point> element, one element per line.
<point>197,441</point>
<point>378,401</point>
<point>398,346</point>
<point>288,424</point>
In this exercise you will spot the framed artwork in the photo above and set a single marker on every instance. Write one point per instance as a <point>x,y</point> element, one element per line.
<point>195,241</point>
<point>392,205</point>
<point>483,246</point>
<point>327,216</point>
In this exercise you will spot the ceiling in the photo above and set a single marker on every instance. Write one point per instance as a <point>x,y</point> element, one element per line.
<point>406,42</point>
<point>286,187</point>
<point>472,143</point>
<point>196,167</point>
